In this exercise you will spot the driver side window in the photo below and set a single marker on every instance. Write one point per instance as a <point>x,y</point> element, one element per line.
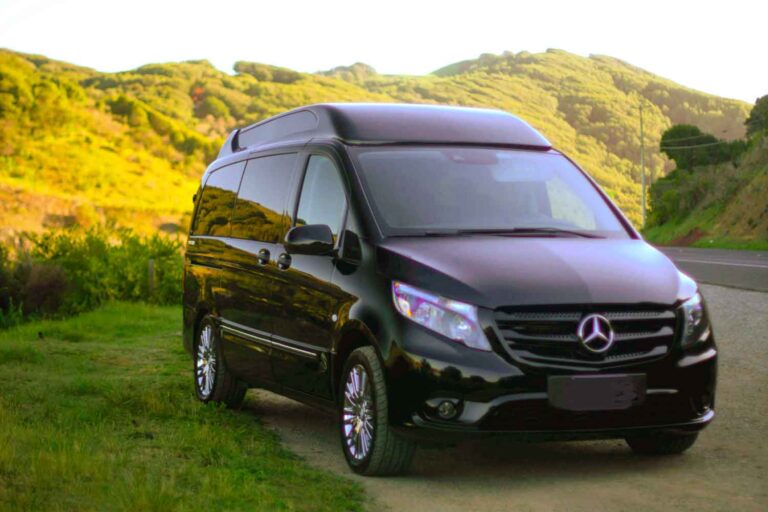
<point>322,199</point>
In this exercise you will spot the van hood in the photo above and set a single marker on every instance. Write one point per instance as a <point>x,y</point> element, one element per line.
<point>494,271</point>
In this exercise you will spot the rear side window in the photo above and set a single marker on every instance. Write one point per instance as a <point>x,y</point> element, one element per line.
<point>322,195</point>
<point>260,210</point>
<point>219,194</point>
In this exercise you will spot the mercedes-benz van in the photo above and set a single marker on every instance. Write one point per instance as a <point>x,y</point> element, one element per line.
<point>431,273</point>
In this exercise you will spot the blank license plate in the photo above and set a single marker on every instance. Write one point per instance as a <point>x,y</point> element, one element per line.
<point>596,392</point>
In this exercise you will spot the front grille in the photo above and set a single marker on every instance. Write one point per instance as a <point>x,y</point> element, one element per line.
<point>549,335</point>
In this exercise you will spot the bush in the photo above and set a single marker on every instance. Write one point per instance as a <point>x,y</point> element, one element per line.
<point>6,279</point>
<point>10,310</point>
<point>266,73</point>
<point>758,117</point>
<point>68,272</point>
<point>42,287</point>
<point>213,106</point>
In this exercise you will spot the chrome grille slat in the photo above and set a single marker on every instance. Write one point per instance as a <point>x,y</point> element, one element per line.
<point>663,332</point>
<point>639,315</point>
<point>656,352</point>
<point>533,315</point>
<point>550,338</point>
<point>550,334</point>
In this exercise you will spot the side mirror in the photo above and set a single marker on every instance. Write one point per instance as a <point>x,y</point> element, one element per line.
<point>309,239</point>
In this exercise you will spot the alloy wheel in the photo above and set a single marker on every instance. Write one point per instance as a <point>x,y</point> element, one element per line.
<point>205,370</point>
<point>358,413</point>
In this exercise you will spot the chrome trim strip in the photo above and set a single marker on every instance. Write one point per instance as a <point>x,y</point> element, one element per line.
<point>295,350</point>
<point>698,358</point>
<point>660,391</point>
<point>246,335</point>
<point>294,343</point>
<point>244,328</point>
<point>268,342</point>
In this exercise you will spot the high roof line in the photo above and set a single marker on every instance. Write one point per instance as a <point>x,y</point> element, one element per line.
<point>388,123</point>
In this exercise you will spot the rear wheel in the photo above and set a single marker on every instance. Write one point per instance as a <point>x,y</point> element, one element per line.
<point>369,445</point>
<point>213,382</point>
<point>662,443</point>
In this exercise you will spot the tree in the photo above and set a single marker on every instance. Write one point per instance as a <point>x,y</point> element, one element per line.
<point>758,118</point>
<point>213,106</point>
<point>689,147</point>
<point>686,145</point>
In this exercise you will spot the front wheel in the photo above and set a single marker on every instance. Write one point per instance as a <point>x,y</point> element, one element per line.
<point>662,443</point>
<point>369,445</point>
<point>213,382</point>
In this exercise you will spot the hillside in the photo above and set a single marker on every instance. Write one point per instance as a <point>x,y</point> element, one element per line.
<point>79,146</point>
<point>724,205</point>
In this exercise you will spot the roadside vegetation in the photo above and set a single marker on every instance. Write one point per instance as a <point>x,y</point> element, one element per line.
<point>717,196</point>
<point>65,272</point>
<point>98,412</point>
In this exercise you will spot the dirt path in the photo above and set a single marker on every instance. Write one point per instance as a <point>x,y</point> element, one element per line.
<point>727,470</point>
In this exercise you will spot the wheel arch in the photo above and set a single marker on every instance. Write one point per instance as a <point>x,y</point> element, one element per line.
<point>199,313</point>
<point>354,335</point>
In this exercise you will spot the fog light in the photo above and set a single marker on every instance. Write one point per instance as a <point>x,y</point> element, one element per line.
<point>446,410</point>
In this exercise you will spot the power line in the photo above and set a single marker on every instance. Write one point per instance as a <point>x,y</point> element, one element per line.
<point>696,145</point>
<point>688,138</point>
<point>694,136</point>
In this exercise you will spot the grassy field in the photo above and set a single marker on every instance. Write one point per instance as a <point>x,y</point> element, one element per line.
<point>98,412</point>
<point>666,235</point>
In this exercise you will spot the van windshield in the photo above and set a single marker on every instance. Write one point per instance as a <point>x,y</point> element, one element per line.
<point>435,190</point>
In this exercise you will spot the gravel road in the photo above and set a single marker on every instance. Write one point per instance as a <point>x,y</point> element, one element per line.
<point>727,469</point>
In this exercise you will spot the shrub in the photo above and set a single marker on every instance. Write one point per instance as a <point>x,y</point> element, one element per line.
<point>213,106</point>
<point>266,73</point>
<point>67,272</point>
<point>43,287</point>
<point>758,117</point>
<point>6,279</point>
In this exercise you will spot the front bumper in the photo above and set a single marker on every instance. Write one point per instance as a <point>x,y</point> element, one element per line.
<point>496,395</point>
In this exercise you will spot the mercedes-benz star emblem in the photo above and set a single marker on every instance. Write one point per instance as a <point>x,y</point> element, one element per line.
<point>595,333</point>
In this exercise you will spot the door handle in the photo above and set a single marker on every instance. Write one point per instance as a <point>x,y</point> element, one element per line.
<point>263,257</point>
<point>284,261</point>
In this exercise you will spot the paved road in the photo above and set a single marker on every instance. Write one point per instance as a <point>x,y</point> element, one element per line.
<point>740,269</point>
<point>726,470</point>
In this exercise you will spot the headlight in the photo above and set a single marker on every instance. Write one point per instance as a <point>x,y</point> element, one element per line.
<point>453,319</point>
<point>694,328</point>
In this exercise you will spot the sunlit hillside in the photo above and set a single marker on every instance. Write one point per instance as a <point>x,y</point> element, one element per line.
<point>79,146</point>
<point>722,205</point>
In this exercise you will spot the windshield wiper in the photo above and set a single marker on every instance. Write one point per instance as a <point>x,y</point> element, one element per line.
<point>521,231</point>
<point>528,231</point>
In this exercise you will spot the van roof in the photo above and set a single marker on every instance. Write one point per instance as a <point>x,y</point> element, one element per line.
<point>381,123</point>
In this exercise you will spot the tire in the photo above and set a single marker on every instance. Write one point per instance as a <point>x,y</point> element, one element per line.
<point>387,453</point>
<point>213,382</point>
<point>662,443</point>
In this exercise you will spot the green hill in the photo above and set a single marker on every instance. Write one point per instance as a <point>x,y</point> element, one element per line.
<point>723,205</point>
<point>79,146</point>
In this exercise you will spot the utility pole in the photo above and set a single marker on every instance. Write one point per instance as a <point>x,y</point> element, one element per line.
<point>642,160</point>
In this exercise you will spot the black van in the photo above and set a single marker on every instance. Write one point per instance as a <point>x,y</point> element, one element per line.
<point>431,273</point>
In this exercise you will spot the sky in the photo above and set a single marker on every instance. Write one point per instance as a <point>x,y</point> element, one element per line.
<point>716,47</point>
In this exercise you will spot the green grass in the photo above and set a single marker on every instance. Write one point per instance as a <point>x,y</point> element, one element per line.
<point>97,412</point>
<point>667,234</point>
<point>705,221</point>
